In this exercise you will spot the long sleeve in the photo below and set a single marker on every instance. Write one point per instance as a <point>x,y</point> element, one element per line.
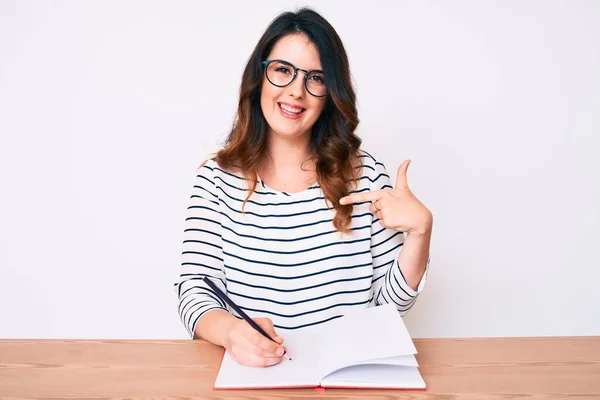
<point>202,252</point>
<point>389,284</point>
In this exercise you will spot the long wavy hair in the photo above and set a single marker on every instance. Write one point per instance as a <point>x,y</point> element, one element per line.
<point>333,144</point>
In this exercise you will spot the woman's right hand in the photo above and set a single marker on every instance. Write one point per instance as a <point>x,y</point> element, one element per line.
<point>248,347</point>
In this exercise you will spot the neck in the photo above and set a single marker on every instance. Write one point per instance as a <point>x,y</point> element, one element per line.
<point>285,153</point>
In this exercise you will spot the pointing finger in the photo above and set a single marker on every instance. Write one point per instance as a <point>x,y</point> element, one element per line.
<point>360,197</point>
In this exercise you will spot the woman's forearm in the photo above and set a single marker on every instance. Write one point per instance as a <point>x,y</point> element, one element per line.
<point>214,327</point>
<point>413,257</point>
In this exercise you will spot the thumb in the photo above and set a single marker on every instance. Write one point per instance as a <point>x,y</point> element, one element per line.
<point>401,179</point>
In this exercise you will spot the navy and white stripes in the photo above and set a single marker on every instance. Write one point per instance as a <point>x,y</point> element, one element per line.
<point>281,257</point>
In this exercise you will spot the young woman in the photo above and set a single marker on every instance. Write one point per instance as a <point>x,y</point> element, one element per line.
<point>291,218</point>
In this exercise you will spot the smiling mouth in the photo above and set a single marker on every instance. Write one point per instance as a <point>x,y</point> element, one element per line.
<point>289,111</point>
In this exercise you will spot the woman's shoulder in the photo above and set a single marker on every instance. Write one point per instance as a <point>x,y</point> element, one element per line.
<point>208,159</point>
<point>369,162</point>
<point>206,168</point>
<point>212,167</point>
<point>209,164</point>
<point>221,179</point>
<point>374,175</point>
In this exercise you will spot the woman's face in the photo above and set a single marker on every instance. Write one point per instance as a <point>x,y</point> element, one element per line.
<point>291,111</point>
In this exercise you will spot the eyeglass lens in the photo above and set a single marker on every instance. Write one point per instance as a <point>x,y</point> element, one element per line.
<point>282,74</point>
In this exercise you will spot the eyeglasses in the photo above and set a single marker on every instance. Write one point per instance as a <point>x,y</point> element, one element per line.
<point>282,73</point>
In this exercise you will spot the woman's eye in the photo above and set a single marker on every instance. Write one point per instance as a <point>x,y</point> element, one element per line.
<point>317,79</point>
<point>283,70</point>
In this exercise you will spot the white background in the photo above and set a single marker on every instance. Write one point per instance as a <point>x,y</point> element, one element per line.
<point>108,107</point>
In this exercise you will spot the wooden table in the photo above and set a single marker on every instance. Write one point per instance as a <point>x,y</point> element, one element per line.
<point>498,368</point>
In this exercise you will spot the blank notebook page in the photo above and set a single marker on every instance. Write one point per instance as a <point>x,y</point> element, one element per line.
<point>390,376</point>
<point>363,335</point>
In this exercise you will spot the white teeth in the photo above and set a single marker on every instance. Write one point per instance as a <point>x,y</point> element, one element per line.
<point>290,109</point>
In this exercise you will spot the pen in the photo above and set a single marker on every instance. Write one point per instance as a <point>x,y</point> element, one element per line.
<point>245,316</point>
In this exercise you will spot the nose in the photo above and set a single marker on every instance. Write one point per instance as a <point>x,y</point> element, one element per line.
<point>296,88</point>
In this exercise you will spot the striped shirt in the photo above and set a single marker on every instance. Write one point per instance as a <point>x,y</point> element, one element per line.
<point>281,257</point>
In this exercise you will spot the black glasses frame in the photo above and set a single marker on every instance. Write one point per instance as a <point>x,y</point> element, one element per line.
<point>296,69</point>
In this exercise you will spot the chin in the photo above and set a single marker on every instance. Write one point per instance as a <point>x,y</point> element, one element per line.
<point>287,132</point>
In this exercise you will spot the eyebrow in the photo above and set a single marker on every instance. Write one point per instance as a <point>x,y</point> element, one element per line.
<point>307,69</point>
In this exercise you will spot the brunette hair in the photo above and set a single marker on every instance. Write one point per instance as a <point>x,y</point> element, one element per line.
<point>333,142</point>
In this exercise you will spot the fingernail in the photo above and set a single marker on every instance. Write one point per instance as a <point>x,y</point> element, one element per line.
<point>342,201</point>
<point>280,351</point>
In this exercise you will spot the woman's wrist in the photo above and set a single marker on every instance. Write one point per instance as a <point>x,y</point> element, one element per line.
<point>424,229</point>
<point>228,323</point>
<point>215,326</point>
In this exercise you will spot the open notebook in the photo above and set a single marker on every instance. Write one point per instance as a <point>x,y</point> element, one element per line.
<point>367,348</point>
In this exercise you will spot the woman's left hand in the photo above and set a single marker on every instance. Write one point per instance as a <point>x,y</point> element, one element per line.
<point>398,208</point>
